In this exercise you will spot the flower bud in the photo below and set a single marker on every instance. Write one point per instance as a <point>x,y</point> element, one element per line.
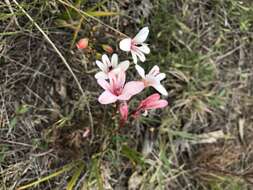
<point>107,48</point>
<point>82,43</point>
<point>123,110</point>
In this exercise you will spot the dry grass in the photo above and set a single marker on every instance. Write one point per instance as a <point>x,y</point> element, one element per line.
<point>205,47</point>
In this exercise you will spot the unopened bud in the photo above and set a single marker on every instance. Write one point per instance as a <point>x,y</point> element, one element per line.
<point>123,110</point>
<point>107,48</point>
<point>83,43</point>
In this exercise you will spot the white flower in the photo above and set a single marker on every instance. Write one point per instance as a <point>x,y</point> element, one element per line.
<point>136,46</point>
<point>108,66</point>
<point>153,78</point>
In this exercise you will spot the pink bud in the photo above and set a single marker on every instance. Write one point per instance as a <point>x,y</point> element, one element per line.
<point>107,48</point>
<point>123,110</point>
<point>83,43</point>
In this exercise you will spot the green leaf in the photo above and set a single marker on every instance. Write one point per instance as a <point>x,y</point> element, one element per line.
<point>132,155</point>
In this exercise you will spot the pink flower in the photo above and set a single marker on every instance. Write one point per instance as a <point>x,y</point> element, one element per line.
<point>116,89</point>
<point>108,66</point>
<point>153,78</point>
<point>82,43</point>
<point>123,110</point>
<point>136,46</point>
<point>151,102</point>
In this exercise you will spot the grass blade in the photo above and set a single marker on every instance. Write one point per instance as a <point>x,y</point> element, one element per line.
<point>102,13</point>
<point>55,174</point>
<point>75,177</point>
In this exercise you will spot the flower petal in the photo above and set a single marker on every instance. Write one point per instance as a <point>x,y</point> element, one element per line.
<point>116,71</point>
<point>151,102</point>
<point>144,48</point>
<point>160,88</point>
<point>125,44</point>
<point>106,60</point>
<point>104,84</point>
<point>107,98</point>
<point>154,71</point>
<point>140,54</point>
<point>157,104</point>
<point>134,57</point>
<point>144,103</point>
<point>140,70</point>
<point>121,79</point>
<point>124,65</point>
<point>130,89</point>
<point>142,35</point>
<point>151,80</point>
<point>101,65</point>
<point>101,75</point>
<point>112,79</point>
<point>151,98</point>
<point>160,76</point>
<point>114,60</point>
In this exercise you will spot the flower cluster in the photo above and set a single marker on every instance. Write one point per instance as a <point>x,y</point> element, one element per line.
<point>112,78</point>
